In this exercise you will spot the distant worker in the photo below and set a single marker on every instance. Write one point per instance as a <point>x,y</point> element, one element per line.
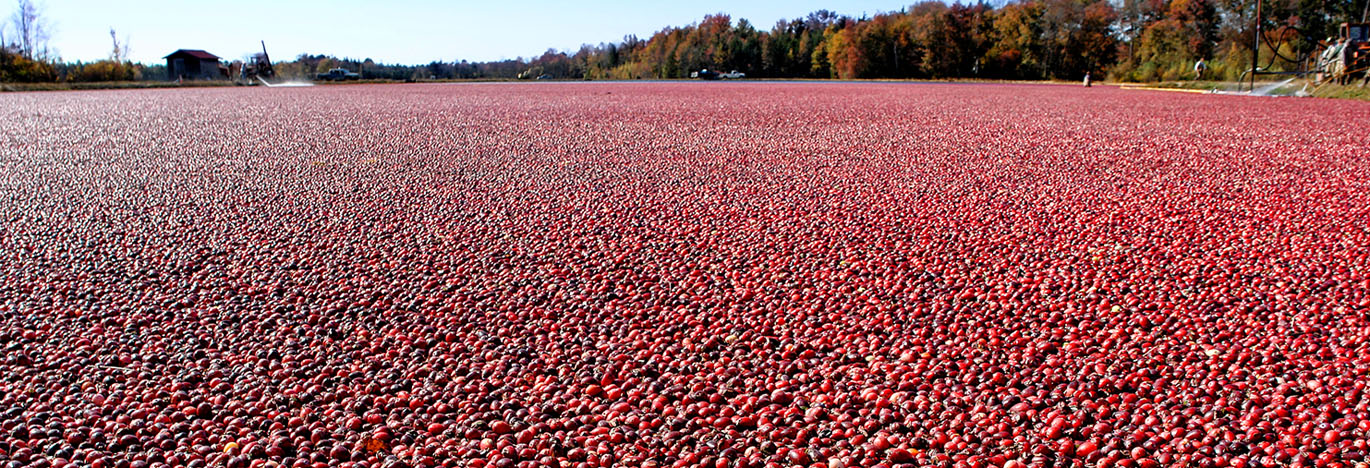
<point>1087,82</point>
<point>1199,68</point>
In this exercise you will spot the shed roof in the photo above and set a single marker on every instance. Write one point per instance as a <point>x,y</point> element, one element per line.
<point>194,53</point>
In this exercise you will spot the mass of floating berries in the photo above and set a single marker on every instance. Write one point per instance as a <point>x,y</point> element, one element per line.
<point>683,275</point>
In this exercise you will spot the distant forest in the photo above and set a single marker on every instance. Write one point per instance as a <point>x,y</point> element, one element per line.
<point>1125,40</point>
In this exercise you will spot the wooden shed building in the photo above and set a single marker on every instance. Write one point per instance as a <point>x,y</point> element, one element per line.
<point>189,64</point>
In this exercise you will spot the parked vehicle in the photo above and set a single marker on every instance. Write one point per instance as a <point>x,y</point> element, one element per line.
<point>338,74</point>
<point>705,74</point>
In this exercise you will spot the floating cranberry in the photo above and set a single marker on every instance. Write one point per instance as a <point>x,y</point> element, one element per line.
<point>672,274</point>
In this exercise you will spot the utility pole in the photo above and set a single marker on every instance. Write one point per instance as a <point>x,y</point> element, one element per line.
<point>1256,46</point>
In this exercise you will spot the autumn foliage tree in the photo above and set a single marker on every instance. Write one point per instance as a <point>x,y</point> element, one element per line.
<point>24,53</point>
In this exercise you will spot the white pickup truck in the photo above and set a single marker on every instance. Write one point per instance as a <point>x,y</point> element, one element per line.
<point>338,74</point>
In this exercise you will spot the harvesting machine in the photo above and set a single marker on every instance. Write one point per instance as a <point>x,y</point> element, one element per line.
<point>260,69</point>
<point>1348,57</point>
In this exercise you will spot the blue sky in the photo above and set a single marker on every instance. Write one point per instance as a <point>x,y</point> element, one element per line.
<point>401,31</point>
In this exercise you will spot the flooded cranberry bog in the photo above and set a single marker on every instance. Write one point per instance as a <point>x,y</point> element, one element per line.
<point>683,274</point>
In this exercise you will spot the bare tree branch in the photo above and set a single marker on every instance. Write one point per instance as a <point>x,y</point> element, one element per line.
<point>33,30</point>
<point>117,54</point>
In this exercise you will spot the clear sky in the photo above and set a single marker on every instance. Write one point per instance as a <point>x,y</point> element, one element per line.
<point>400,31</point>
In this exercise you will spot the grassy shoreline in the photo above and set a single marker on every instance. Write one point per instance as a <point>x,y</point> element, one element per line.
<point>1298,87</point>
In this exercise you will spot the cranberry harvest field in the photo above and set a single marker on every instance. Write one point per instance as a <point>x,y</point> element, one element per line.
<point>683,275</point>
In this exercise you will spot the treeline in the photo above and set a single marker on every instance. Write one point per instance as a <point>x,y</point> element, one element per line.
<point>17,68</point>
<point>307,66</point>
<point>25,55</point>
<point>1129,40</point>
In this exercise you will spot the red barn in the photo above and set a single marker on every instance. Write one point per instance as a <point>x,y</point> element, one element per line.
<point>190,64</point>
